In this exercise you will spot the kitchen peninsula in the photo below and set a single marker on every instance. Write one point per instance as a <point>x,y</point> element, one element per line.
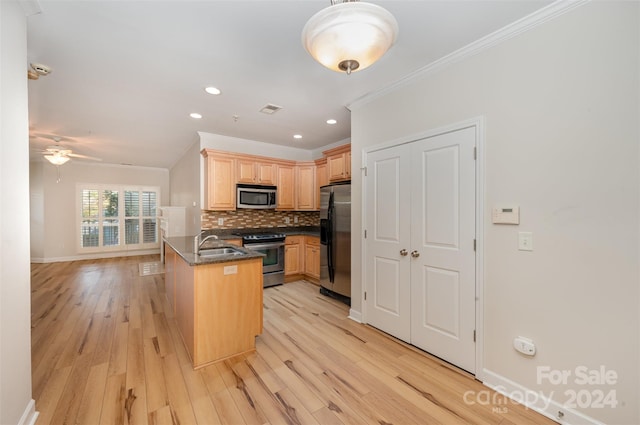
<point>216,299</point>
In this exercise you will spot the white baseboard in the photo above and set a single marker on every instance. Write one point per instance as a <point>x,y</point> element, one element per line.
<point>356,316</point>
<point>539,403</point>
<point>95,256</point>
<point>30,414</point>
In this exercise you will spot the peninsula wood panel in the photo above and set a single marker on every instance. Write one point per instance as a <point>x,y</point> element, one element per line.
<point>107,349</point>
<point>228,313</point>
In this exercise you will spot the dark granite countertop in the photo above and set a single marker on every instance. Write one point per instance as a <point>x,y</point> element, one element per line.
<point>183,245</point>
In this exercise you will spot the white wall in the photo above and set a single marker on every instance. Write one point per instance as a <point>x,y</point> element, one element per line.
<point>252,147</point>
<point>36,191</point>
<point>16,404</point>
<point>561,103</point>
<point>59,238</point>
<point>185,187</point>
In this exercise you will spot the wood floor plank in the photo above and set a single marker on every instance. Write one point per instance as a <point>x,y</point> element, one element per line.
<point>93,394</point>
<point>106,349</point>
<point>69,404</point>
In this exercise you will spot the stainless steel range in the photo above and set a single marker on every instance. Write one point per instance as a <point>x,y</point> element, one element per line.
<point>272,246</point>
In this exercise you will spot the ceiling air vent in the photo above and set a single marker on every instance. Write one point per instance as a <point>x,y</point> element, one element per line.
<point>270,108</point>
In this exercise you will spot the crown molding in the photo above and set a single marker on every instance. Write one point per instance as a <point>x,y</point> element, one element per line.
<point>514,29</point>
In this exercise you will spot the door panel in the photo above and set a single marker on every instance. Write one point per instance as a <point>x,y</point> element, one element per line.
<point>443,231</point>
<point>441,285</point>
<point>387,274</point>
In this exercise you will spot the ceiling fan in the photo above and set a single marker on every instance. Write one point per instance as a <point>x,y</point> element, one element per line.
<point>58,155</point>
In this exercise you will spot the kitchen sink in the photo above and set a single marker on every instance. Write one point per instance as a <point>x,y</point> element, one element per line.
<point>219,252</point>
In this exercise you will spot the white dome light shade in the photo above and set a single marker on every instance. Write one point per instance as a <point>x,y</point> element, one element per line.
<point>349,36</point>
<point>57,159</point>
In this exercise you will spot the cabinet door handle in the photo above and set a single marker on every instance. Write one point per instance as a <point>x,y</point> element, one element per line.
<point>403,252</point>
<point>415,254</point>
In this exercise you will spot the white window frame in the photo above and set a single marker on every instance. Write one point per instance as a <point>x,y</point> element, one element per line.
<point>121,246</point>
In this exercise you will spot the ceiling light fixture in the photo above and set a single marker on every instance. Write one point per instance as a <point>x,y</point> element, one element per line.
<point>195,115</point>
<point>57,159</point>
<point>349,36</point>
<point>297,136</point>
<point>212,90</point>
<point>331,121</point>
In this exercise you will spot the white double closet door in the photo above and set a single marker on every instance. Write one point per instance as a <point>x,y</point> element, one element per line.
<point>420,254</point>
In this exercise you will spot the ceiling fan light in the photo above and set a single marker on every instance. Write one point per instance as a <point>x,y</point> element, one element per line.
<point>349,36</point>
<point>57,159</point>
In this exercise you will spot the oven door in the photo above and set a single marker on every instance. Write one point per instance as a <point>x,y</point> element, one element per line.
<point>273,261</point>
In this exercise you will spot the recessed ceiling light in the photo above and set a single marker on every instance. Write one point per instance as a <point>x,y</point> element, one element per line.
<point>212,90</point>
<point>297,136</point>
<point>195,115</point>
<point>331,121</point>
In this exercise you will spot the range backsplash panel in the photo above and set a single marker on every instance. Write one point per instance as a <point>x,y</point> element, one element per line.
<point>247,219</point>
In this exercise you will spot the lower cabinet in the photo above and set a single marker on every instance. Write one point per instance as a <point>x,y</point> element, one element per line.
<point>312,257</point>
<point>218,308</point>
<point>302,258</point>
<point>236,242</point>
<point>293,259</point>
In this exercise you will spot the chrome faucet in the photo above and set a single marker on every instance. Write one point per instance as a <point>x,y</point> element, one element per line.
<point>197,243</point>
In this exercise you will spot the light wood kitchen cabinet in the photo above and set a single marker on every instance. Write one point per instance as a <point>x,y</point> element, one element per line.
<point>170,275</point>
<point>236,242</point>
<point>293,258</point>
<point>251,171</point>
<point>339,163</point>
<point>220,181</point>
<point>312,257</point>
<point>322,179</point>
<point>305,186</point>
<point>286,187</point>
<point>218,308</point>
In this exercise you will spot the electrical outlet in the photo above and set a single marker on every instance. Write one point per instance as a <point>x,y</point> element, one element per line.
<point>295,218</point>
<point>220,221</point>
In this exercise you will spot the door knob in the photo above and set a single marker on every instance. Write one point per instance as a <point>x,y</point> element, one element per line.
<point>415,254</point>
<point>403,252</point>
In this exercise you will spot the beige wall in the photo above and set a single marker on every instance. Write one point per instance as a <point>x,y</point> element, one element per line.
<point>185,187</point>
<point>16,404</point>
<point>59,239</point>
<point>562,142</point>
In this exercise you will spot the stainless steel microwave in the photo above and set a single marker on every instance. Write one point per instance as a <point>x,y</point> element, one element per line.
<point>255,196</point>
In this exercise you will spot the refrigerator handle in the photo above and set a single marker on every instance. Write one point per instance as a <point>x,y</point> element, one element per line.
<point>330,241</point>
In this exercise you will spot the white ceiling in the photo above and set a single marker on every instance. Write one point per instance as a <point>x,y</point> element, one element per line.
<point>126,74</point>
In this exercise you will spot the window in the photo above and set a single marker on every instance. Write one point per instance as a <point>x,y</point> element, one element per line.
<point>117,218</point>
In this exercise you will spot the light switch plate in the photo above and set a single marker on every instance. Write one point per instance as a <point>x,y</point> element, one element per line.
<point>525,241</point>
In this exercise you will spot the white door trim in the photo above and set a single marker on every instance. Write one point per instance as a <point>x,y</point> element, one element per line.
<point>479,124</point>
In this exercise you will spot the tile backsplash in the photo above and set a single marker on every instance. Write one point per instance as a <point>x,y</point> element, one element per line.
<point>243,219</point>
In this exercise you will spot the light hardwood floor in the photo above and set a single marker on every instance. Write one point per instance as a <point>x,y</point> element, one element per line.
<point>106,350</point>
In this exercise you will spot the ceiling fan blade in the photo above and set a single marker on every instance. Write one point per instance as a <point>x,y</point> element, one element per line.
<point>75,155</point>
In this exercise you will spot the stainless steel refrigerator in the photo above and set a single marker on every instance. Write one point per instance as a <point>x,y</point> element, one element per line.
<point>335,239</point>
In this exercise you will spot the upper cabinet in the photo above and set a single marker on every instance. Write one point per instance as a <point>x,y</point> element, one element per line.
<point>220,181</point>
<point>322,178</point>
<point>306,186</point>
<point>298,183</point>
<point>286,196</point>
<point>253,171</point>
<point>339,163</point>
